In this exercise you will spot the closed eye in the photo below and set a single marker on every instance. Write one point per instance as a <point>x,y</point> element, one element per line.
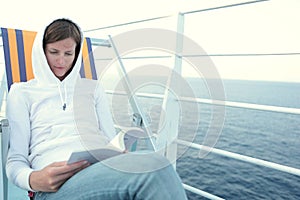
<point>69,54</point>
<point>53,52</point>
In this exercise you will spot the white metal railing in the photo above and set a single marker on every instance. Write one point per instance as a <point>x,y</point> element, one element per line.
<point>229,154</point>
<point>228,104</point>
<point>201,193</point>
<point>284,168</point>
<point>244,105</point>
<point>253,106</point>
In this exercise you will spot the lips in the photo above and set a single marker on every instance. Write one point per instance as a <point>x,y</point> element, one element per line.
<point>59,71</point>
<point>60,68</point>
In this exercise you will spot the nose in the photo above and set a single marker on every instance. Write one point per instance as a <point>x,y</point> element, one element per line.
<point>60,60</point>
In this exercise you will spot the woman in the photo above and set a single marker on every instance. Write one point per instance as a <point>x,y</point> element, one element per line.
<point>58,113</point>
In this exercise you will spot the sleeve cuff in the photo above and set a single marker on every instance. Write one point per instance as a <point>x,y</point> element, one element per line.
<point>24,179</point>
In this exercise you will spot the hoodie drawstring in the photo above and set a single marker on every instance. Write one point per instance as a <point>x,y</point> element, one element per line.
<point>63,101</point>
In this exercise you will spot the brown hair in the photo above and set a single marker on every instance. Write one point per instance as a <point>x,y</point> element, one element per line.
<point>61,29</point>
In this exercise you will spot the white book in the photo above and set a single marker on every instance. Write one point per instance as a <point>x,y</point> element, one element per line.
<point>118,145</point>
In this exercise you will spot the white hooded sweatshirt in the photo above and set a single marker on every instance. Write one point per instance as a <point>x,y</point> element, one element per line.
<point>50,119</point>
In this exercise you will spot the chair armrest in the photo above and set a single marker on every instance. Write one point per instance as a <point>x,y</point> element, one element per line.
<point>4,130</point>
<point>4,137</point>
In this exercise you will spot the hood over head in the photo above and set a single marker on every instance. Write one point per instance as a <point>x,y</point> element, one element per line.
<point>41,69</point>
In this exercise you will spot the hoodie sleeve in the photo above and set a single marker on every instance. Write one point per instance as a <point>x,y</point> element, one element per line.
<point>104,115</point>
<point>18,167</point>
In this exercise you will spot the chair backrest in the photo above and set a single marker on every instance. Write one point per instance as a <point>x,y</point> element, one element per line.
<point>17,46</point>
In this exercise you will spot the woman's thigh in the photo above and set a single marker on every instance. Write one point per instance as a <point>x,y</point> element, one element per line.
<point>128,176</point>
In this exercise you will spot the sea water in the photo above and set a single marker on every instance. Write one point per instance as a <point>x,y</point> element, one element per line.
<point>265,135</point>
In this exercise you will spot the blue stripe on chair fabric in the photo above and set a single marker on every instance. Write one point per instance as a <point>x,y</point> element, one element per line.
<point>7,56</point>
<point>81,72</point>
<point>21,55</point>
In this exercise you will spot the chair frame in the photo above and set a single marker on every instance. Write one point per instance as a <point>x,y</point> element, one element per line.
<point>4,133</point>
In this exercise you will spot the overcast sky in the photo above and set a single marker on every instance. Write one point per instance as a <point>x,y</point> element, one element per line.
<point>265,27</point>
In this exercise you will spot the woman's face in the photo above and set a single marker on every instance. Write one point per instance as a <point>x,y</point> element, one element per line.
<point>60,56</point>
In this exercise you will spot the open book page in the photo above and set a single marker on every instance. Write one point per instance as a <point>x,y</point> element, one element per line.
<point>93,156</point>
<point>126,137</point>
<point>121,142</point>
<point>118,141</point>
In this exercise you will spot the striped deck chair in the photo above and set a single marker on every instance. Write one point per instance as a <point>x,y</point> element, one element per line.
<point>17,46</point>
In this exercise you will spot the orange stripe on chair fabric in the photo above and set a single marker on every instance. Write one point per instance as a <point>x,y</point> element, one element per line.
<point>13,50</point>
<point>28,39</point>
<point>86,60</point>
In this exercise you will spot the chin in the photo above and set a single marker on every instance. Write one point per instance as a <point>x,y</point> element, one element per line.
<point>60,76</point>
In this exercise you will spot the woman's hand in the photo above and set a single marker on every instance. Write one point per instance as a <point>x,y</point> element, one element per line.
<point>54,175</point>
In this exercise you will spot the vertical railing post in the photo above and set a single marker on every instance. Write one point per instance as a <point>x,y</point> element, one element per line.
<point>169,120</point>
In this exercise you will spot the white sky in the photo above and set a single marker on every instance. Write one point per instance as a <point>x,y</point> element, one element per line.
<point>266,27</point>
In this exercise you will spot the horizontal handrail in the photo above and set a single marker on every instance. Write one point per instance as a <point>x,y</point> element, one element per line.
<point>170,15</point>
<point>284,168</point>
<point>244,105</point>
<point>262,107</point>
<point>200,192</point>
<point>100,42</point>
<point>205,55</point>
<point>222,7</point>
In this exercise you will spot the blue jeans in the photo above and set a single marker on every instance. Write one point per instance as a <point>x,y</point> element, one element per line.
<point>128,176</point>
